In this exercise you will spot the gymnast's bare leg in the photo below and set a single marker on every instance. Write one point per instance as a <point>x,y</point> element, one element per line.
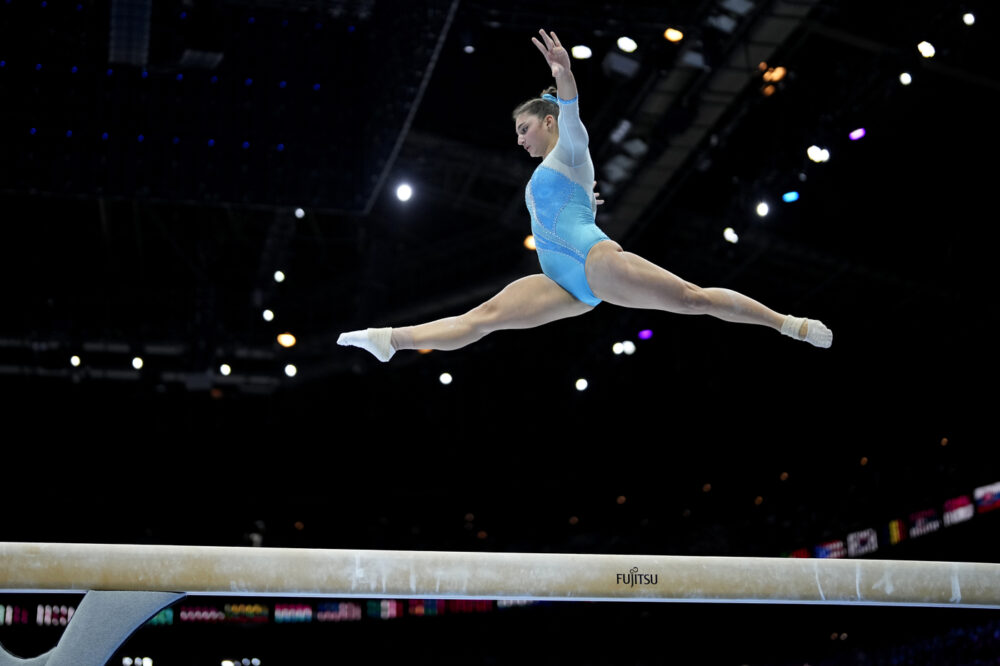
<point>525,303</point>
<point>626,279</point>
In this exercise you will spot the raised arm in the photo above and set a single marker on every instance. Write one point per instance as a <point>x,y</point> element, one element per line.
<point>558,59</point>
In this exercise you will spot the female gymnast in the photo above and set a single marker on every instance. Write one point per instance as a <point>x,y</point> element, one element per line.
<point>581,266</point>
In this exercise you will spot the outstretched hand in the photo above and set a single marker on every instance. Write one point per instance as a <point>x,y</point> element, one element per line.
<point>555,54</point>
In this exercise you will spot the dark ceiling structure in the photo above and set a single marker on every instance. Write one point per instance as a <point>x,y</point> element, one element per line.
<point>161,161</point>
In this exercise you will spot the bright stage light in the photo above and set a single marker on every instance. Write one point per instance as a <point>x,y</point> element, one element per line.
<point>74,361</point>
<point>286,340</point>
<point>225,370</point>
<point>763,209</point>
<point>299,213</point>
<point>645,334</point>
<point>905,78</point>
<point>291,370</point>
<point>617,348</point>
<point>627,44</point>
<point>926,49</point>
<point>730,235</point>
<point>268,315</point>
<point>969,19</point>
<point>137,363</point>
<point>817,154</point>
<point>279,276</point>
<point>629,347</point>
<point>404,192</point>
<point>673,35</point>
<point>529,242</point>
<point>445,378</point>
<point>581,52</point>
<point>857,134</point>
<point>581,385</point>
<point>789,197</point>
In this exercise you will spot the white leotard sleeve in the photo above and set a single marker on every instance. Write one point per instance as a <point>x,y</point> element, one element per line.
<point>571,149</point>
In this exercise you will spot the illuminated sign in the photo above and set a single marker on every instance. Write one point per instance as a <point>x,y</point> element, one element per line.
<point>862,543</point>
<point>924,522</point>
<point>987,497</point>
<point>958,510</point>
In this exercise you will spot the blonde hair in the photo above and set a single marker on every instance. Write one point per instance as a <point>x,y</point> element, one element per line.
<point>538,106</point>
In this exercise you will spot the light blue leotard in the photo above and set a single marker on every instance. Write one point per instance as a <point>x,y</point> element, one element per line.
<point>561,201</point>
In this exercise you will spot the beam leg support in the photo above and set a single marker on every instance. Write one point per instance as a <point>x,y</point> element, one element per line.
<point>100,625</point>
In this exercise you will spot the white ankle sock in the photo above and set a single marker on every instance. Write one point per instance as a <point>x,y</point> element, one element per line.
<point>817,334</point>
<point>376,340</point>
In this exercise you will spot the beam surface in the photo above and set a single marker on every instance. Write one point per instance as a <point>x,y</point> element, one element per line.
<point>538,576</point>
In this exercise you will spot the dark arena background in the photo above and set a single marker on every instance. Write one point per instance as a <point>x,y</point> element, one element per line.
<point>163,161</point>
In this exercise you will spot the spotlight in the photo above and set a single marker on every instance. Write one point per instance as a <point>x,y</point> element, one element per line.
<point>279,276</point>
<point>673,35</point>
<point>763,209</point>
<point>445,378</point>
<point>618,348</point>
<point>529,242</point>
<point>730,235</point>
<point>926,49</point>
<point>291,370</point>
<point>581,385</point>
<point>969,19</point>
<point>286,340</point>
<point>404,192</point>
<point>225,370</point>
<point>629,347</point>
<point>627,44</point>
<point>74,361</point>
<point>137,363</point>
<point>583,52</point>
<point>299,213</point>
<point>268,315</point>
<point>789,197</point>
<point>817,154</point>
<point>857,134</point>
<point>905,78</point>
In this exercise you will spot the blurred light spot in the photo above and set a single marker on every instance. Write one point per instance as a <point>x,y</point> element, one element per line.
<point>864,461</point>
<point>469,517</point>
<point>404,192</point>
<point>730,235</point>
<point>789,197</point>
<point>529,242</point>
<point>817,154</point>
<point>617,348</point>
<point>944,440</point>
<point>581,385</point>
<point>299,213</point>
<point>784,476</point>
<point>286,340</point>
<point>629,347</point>
<point>424,351</point>
<point>758,500</point>
<point>857,134</point>
<point>469,49</point>
<point>581,52</point>
<point>481,534</point>
<point>299,525</point>
<point>768,90</point>
<point>763,209</point>
<point>279,276</point>
<point>225,370</point>
<point>706,488</point>
<point>291,370</point>
<point>905,78</point>
<point>621,499</point>
<point>573,520</point>
<point>627,44</point>
<point>74,361</point>
<point>969,19</point>
<point>926,49</point>
<point>673,35</point>
<point>268,315</point>
<point>645,334</point>
<point>445,378</point>
<point>137,363</point>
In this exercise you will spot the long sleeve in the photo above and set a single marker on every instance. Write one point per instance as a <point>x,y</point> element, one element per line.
<point>572,147</point>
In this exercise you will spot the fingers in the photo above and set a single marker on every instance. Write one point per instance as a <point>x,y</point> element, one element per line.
<point>545,51</point>
<point>550,42</point>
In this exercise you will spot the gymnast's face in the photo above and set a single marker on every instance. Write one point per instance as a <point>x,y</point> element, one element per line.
<point>536,135</point>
